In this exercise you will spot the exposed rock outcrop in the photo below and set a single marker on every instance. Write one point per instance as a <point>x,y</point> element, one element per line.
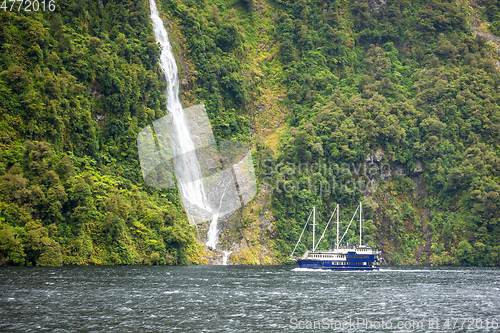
<point>376,4</point>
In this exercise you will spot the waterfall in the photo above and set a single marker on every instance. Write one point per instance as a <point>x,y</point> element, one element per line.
<point>226,257</point>
<point>212,232</point>
<point>186,165</point>
<point>214,179</point>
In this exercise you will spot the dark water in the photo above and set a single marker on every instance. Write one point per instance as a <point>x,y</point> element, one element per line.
<point>248,299</point>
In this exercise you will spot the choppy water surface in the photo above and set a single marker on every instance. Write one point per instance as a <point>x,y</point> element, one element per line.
<point>247,299</point>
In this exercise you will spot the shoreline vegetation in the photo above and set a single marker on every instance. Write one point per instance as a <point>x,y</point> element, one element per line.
<point>404,84</point>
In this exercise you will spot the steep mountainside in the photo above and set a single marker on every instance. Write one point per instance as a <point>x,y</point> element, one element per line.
<point>76,86</point>
<point>392,103</point>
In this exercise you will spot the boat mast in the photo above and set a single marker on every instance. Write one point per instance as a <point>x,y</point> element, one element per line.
<point>337,226</point>
<point>304,229</point>
<point>314,225</point>
<point>360,227</point>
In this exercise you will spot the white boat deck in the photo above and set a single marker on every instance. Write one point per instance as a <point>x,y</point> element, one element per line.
<point>340,253</point>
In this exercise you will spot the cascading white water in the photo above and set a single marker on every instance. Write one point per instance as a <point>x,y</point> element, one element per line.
<point>226,256</point>
<point>186,165</point>
<point>212,232</point>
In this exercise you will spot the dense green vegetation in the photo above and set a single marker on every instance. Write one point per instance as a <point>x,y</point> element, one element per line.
<point>492,12</point>
<point>76,87</point>
<point>216,45</point>
<point>411,80</point>
<point>403,86</point>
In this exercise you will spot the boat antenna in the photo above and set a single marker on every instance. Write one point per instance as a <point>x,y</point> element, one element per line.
<point>360,226</point>
<point>314,225</point>
<point>338,225</point>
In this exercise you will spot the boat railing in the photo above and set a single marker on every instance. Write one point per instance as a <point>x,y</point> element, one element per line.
<point>373,249</point>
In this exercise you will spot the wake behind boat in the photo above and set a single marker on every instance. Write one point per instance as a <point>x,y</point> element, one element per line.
<point>342,257</point>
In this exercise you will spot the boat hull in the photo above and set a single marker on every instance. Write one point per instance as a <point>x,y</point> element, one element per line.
<point>328,265</point>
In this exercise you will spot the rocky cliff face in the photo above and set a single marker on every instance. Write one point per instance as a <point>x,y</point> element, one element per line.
<point>376,4</point>
<point>245,235</point>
